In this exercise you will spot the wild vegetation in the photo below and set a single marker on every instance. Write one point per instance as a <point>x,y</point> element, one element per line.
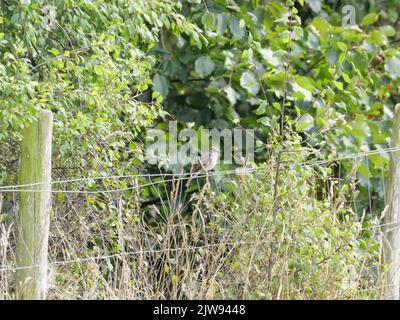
<point>301,221</point>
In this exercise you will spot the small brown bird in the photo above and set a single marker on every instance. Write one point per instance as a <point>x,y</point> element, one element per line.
<point>208,161</point>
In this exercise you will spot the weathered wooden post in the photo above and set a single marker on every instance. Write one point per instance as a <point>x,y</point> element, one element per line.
<point>391,232</point>
<point>34,209</point>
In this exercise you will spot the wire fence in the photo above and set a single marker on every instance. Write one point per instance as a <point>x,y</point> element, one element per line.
<point>173,176</point>
<point>160,181</point>
<point>183,177</point>
<point>150,251</point>
<point>138,252</point>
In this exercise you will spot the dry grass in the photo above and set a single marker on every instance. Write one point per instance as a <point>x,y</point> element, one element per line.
<point>222,241</point>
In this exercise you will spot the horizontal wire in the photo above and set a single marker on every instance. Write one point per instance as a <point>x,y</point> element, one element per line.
<point>182,176</point>
<point>103,257</point>
<point>129,253</point>
<point>212,174</point>
<point>140,175</point>
<point>143,175</point>
<point>361,229</point>
<point>381,225</point>
<point>355,156</point>
<point>374,288</point>
<point>192,248</point>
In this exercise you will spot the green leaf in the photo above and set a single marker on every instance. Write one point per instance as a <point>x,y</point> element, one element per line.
<point>277,106</point>
<point>161,85</point>
<point>231,95</point>
<point>321,24</point>
<point>315,5</point>
<point>388,31</point>
<point>249,82</point>
<point>208,20</point>
<point>304,123</point>
<point>237,31</point>
<point>157,96</point>
<point>369,19</point>
<point>268,56</point>
<point>342,46</point>
<point>262,108</point>
<point>247,54</point>
<point>274,80</point>
<point>55,51</point>
<point>339,85</point>
<point>392,67</point>
<point>306,82</point>
<point>204,66</point>
<point>299,31</point>
<point>342,57</point>
<point>359,128</point>
<point>222,22</point>
<point>346,77</point>
<point>98,70</point>
<point>331,56</point>
<point>301,93</point>
<point>265,121</point>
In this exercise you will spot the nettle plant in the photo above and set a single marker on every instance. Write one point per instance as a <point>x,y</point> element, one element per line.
<point>90,63</point>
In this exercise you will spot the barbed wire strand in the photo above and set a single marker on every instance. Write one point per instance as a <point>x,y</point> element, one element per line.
<point>186,177</point>
<point>129,253</point>
<point>7,188</point>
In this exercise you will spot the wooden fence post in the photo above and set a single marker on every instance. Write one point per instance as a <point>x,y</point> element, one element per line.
<point>391,232</point>
<point>34,209</point>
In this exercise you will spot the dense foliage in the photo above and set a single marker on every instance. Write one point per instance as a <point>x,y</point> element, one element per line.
<point>88,62</point>
<point>313,89</point>
<point>273,61</point>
